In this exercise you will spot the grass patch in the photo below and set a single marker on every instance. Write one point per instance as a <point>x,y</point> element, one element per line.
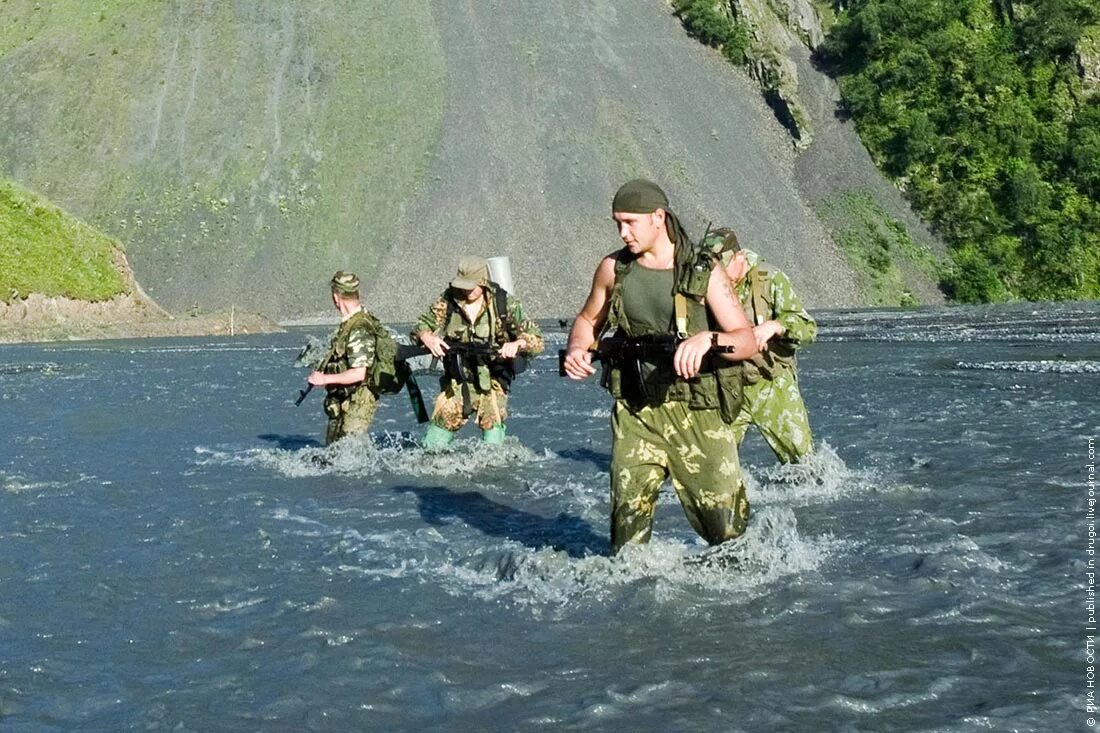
<point>45,250</point>
<point>878,247</point>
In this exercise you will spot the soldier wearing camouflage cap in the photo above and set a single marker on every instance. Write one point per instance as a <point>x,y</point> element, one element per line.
<point>771,399</point>
<point>351,399</point>
<point>484,329</point>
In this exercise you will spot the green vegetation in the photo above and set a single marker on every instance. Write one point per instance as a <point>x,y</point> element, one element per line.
<point>977,108</point>
<point>882,254</point>
<point>44,250</point>
<point>710,24</point>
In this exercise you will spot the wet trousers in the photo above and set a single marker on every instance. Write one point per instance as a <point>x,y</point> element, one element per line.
<point>491,407</point>
<point>693,448</point>
<point>775,407</point>
<point>351,416</point>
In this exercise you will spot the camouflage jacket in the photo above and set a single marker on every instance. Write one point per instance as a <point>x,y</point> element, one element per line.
<point>354,344</point>
<point>767,294</point>
<point>446,318</point>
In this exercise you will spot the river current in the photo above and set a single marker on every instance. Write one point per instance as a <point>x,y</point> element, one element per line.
<point>180,553</point>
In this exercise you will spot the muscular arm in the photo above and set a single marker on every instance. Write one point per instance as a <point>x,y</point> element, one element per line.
<point>736,331</point>
<point>578,359</point>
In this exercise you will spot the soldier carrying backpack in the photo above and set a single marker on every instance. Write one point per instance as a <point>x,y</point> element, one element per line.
<point>771,399</point>
<point>479,332</point>
<point>359,365</point>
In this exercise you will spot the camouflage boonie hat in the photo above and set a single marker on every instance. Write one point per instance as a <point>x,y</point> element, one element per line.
<point>720,241</point>
<point>472,271</point>
<point>345,283</point>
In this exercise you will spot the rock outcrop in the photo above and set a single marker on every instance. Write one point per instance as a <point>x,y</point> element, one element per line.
<point>776,26</point>
<point>1088,60</point>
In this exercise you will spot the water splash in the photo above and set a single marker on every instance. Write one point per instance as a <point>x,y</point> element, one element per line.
<point>554,580</point>
<point>388,453</point>
<point>821,477</point>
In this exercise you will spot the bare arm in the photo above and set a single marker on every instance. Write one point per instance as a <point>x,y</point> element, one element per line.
<point>736,331</point>
<point>354,375</point>
<point>578,359</point>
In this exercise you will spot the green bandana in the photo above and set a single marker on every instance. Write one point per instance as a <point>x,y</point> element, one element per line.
<point>644,197</point>
<point>639,197</point>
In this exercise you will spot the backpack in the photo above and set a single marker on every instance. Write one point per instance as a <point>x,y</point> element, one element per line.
<point>387,374</point>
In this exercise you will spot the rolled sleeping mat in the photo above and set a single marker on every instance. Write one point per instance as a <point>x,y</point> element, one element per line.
<point>500,272</point>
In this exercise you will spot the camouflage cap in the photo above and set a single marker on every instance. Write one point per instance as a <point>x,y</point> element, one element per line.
<point>345,283</point>
<point>472,271</point>
<point>722,239</point>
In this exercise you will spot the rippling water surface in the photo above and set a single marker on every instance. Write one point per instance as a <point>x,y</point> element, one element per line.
<point>180,553</point>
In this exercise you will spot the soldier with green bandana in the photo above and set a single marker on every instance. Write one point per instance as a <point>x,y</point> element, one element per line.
<point>347,369</point>
<point>486,332</point>
<point>673,414</point>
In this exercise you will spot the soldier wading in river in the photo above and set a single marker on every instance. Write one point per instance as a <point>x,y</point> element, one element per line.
<point>350,371</point>
<point>673,411</point>
<point>478,330</point>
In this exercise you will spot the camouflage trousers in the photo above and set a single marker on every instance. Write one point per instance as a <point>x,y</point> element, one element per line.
<point>775,407</point>
<point>491,407</point>
<point>694,448</point>
<point>351,416</point>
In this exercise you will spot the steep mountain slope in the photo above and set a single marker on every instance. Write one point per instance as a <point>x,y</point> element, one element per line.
<point>244,151</point>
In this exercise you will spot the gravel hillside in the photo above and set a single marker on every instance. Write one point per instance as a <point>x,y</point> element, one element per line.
<point>243,152</point>
<point>549,107</point>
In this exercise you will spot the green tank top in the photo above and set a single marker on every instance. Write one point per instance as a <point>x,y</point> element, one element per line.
<point>647,300</point>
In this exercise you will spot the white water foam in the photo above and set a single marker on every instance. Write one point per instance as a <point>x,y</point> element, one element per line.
<point>1041,366</point>
<point>820,478</point>
<point>392,453</point>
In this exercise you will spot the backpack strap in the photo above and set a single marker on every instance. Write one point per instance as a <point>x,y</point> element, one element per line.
<point>760,292</point>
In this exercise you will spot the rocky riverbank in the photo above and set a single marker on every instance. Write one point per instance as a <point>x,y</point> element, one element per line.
<point>39,318</point>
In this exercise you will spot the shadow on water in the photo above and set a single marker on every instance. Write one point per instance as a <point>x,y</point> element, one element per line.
<point>563,533</point>
<point>602,461</point>
<point>291,442</point>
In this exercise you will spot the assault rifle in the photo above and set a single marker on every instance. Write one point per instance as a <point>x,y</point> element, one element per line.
<point>309,356</point>
<point>639,359</point>
<point>458,355</point>
<point>651,348</point>
<point>460,363</point>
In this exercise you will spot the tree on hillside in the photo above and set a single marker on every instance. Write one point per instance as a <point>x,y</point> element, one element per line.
<point>975,107</point>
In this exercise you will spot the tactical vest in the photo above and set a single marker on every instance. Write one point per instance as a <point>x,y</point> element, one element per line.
<point>495,328</point>
<point>759,307</point>
<point>718,386</point>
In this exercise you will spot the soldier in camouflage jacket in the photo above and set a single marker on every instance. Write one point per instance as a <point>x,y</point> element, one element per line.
<point>351,399</point>
<point>487,333</point>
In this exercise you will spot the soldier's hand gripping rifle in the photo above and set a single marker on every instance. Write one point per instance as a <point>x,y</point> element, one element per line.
<point>643,348</point>
<point>458,360</point>
<point>636,358</point>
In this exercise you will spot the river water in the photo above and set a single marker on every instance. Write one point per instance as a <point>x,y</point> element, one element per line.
<point>180,553</point>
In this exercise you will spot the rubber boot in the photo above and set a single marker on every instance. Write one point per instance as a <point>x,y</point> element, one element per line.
<point>494,435</point>
<point>437,437</point>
